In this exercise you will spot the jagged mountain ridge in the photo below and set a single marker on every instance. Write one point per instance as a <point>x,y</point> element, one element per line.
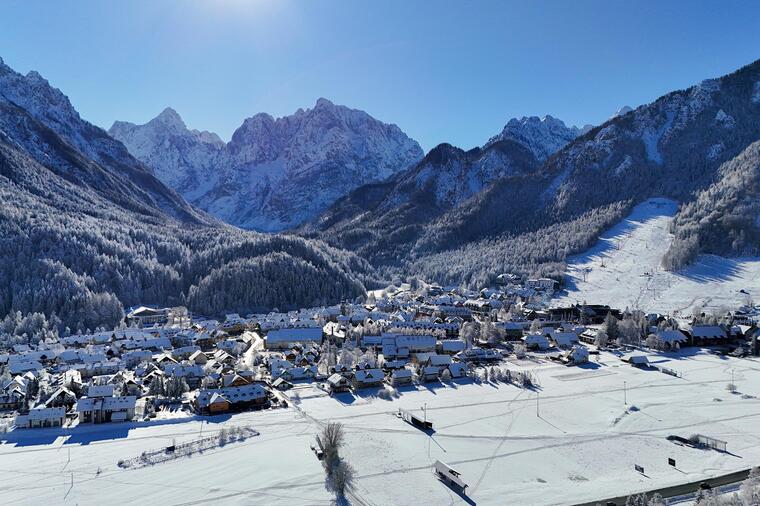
<point>542,136</point>
<point>383,221</point>
<point>274,174</point>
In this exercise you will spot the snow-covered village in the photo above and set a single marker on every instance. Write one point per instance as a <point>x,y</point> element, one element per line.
<point>357,253</point>
<point>418,380</point>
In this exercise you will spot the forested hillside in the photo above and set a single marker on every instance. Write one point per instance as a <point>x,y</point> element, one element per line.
<point>725,218</point>
<point>86,231</point>
<point>383,221</point>
<point>671,148</point>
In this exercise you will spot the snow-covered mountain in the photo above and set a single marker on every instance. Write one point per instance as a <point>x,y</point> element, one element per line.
<point>40,120</point>
<point>622,111</point>
<point>165,142</point>
<point>371,218</point>
<point>86,230</point>
<point>542,136</point>
<point>530,221</point>
<point>673,147</point>
<point>274,174</point>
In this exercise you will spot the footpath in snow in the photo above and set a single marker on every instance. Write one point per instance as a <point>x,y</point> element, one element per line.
<point>624,269</point>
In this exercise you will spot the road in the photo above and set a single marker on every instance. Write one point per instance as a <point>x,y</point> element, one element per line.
<point>679,490</point>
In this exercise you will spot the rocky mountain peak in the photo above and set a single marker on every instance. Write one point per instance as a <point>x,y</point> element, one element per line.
<point>170,119</point>
<point>542,136</point>
<point>275,173</point>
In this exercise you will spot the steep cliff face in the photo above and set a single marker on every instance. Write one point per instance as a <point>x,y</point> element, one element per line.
<point>40,120</point>
<point>274,174</point>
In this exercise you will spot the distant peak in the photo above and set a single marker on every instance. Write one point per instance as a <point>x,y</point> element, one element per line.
<point>323,102</point>
<point>170,117</point>
<point>169,113</point>
<point>258,118</point>
<point>442,152</point>
<point>542,136</point>
<point>33,74</point>
<point>535,120</point>
<point>622,111</point>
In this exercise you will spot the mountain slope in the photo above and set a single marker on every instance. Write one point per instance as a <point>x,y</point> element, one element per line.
<point>274,174</point>
<point>725,217</point>
<point>383,221</point>
<point>671,147</point>
<point>624,269</point>
<point>40,119</point>
<point>79,240</point>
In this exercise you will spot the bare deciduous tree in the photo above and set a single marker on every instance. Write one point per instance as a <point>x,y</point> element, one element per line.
<point>342,477</point>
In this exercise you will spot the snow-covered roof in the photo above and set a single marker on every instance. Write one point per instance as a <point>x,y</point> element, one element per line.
<point>244,393</point>
<point>438,360</point>
<point>106,403</point>
<point>708,332</point>
<point>100,391</point>
<point>564,338</point>
<point>401,373</point>
<point>670,336</point>
<point>369,375</point>
<point>300,334</point>
<point>452,345</point>
<point>40,414</point>
<point>538,339</point>
<point>337,380</point>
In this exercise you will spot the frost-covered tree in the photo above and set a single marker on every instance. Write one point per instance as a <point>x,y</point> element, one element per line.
<point>469,333</point>
<point>175,387</point>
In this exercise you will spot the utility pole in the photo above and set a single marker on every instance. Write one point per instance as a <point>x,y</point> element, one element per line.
<point>625,395</point>
<point>537,411</point>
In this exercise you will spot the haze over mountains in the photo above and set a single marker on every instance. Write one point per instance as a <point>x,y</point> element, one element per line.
<point>274,174</point>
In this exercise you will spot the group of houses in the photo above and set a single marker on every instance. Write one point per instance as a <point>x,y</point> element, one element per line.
<point>397,338</point>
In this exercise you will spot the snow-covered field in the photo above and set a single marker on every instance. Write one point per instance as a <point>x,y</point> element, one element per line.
<point>624,269</point>
<point>582,447</point>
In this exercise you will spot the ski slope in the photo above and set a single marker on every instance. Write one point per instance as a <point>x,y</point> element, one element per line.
<point>624,269</point>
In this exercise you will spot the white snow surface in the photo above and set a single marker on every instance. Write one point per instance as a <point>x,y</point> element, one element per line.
<point>624,269</point>
<point>582,447</point>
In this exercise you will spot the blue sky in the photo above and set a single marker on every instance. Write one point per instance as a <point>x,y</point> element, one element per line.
<point>443,71</point>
